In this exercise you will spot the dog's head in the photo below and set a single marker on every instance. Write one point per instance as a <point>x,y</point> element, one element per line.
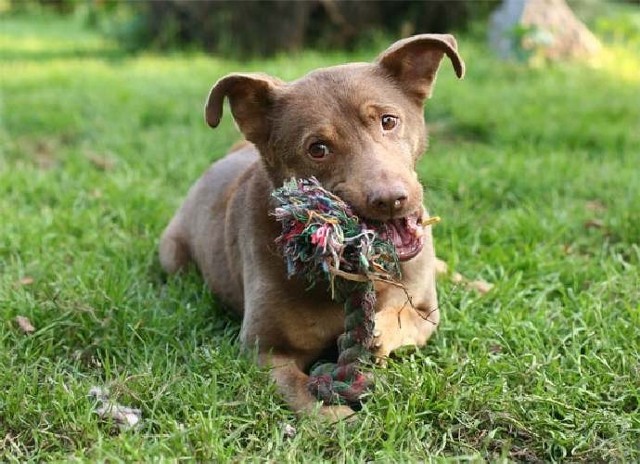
<point>359,128</point>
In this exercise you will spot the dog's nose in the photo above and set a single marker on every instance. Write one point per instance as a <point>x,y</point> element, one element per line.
<point>391,199</point>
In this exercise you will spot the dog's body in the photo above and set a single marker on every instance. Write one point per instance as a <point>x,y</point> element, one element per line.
<point>360,130</point>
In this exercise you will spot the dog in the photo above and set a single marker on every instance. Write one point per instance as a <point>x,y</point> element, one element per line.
<point>359,129</point>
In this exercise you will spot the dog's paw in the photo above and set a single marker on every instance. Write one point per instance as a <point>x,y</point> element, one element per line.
<point>334,414</point>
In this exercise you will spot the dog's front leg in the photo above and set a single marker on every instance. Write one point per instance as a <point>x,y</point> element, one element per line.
<point>292,384</point>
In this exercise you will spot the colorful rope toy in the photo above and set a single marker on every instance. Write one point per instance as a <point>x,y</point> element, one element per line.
<point>323,240</point>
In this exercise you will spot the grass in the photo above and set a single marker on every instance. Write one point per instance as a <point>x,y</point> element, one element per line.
<point>535,172</point>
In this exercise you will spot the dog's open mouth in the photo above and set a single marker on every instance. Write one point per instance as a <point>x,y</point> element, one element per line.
<point>406,234</point>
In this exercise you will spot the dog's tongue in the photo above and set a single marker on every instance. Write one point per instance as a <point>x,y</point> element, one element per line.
<point>403,231</point>
<point>405,234</point>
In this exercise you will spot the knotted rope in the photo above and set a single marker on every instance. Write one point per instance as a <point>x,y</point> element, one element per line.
<point>323,240</point>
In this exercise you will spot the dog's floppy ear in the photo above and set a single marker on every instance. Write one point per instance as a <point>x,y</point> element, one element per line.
<point>414,61</point>
<point>251,96</point>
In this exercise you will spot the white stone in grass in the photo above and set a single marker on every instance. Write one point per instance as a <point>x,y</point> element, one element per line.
<point>289,431</point>
<point>125,417</point>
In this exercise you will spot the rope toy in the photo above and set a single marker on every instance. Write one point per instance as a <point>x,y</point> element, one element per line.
<point>323,240</point>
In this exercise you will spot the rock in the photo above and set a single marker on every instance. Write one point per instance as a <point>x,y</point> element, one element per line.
<point>548,28</point>
<point>125,417</point>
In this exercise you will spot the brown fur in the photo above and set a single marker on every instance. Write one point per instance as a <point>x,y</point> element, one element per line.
<point>224,224</point>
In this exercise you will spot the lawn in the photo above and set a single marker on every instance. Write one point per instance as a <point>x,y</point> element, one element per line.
<point>534,170</point>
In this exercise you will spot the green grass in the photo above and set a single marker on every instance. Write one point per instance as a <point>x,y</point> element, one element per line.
<point>98,148</point>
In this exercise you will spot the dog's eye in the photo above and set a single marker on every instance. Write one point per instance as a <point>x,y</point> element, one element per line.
<point>318,150</point>
<point>389,122</point>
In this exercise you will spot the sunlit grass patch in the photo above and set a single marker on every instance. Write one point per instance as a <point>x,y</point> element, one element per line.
<point>534,172</point>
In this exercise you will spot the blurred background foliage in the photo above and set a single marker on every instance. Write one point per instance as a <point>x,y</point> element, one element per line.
<point>264,28</point>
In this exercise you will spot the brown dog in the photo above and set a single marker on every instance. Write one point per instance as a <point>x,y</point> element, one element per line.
<point>359,128</point>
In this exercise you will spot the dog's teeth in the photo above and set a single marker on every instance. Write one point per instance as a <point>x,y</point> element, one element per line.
<point>418,232</point>
<point>377,344</point>
<point>377,333</point>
